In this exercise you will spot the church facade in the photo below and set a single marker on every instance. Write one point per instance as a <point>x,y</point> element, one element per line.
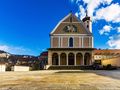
<point>71,42</point>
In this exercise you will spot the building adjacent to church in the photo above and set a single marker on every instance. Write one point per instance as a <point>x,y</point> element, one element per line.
<point>107,56</point>
<point>71,42</point>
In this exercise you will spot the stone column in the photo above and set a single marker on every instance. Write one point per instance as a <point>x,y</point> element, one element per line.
<point>83,58</point>
<point>79,42</point>
<point>92,58</point>
<point>82,42</point>
<point>59,59</point>
<point>49,58</point>
<point>59,42</point>
<point>67,58</point>
<point>92,42</point>
<point>73,42</point>
<point>51,42</point>
<point>89,43</point>
<point>68,42</point>
<point>75,59</point>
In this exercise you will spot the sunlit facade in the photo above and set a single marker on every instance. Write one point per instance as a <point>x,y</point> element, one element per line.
<point>71,42</point>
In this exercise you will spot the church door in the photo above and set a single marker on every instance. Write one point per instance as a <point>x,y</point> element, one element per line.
<point>71,59</point>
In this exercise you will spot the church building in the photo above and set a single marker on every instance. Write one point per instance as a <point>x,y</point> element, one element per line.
<point>71,42</point>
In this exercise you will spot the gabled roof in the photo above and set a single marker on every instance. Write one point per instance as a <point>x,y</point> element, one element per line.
<point>64,21</point>
<point>107,52</point>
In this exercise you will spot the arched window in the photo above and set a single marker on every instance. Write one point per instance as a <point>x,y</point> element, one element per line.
<point>71,42</point>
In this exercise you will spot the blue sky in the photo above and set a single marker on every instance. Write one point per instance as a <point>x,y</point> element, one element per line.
<point>25,24</point>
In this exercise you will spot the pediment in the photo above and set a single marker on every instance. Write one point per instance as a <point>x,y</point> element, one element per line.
<point>70,25</point>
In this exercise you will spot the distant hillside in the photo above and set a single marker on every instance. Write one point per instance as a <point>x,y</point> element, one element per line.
<point>1,51</point>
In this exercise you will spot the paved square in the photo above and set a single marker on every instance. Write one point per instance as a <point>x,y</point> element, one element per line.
<point>60,80</point>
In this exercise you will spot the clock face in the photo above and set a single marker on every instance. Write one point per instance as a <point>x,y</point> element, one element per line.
<point>70,28</point>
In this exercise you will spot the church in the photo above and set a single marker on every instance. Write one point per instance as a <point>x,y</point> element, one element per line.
<point>71,42</point>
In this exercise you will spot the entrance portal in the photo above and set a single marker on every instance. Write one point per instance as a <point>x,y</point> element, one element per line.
<point>63,60</point>
<point>71,59</point>
<point>87,59</point>
<point>79,59</point>
<point>55,59</point>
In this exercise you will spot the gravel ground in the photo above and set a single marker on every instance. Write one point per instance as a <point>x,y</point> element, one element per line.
<point>60,80</point>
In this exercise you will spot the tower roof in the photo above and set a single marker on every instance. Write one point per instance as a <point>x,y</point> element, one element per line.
<point>86,17</point>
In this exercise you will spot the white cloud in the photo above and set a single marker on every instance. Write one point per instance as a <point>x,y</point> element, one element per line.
<point>109,13</point>
<point>106,29</point>
<point>107,2</point>
<point>15,50</point>
<point>4,47</point>
<point>77,1</point>
<point>114,42</point>
<point>86,1</point>
<point>81,13</point>
<point>118,29</point>
<point>98,2</point>
<point>77,14</point>
<point>93,4</point>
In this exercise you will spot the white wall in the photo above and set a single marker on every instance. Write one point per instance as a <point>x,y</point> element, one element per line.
<point>2,67</point>
<point>21,68</point>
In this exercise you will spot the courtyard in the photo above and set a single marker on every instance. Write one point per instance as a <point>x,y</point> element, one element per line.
<point>61,80</point>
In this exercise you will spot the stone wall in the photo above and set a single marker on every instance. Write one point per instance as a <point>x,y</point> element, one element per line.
<point>113,61</point>
<point>63,41</point>
<point>2,67</point>
<point>21,68</point>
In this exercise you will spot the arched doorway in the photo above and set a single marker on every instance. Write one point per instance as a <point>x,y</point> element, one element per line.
<point>87,58</point>
<point>79,59</point>
<point>55,59</point>
<point>70,59</point>
<point>63,60</point>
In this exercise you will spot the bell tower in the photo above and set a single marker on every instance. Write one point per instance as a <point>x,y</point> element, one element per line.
<point>87,22</point>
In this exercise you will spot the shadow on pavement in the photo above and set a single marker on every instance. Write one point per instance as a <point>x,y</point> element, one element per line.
<point>115,74</point>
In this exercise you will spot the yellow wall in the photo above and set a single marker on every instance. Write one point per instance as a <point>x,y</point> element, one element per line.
<point>113,62</point>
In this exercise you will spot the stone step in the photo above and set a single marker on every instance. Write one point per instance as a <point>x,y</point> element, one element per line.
<point>70,68</point>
